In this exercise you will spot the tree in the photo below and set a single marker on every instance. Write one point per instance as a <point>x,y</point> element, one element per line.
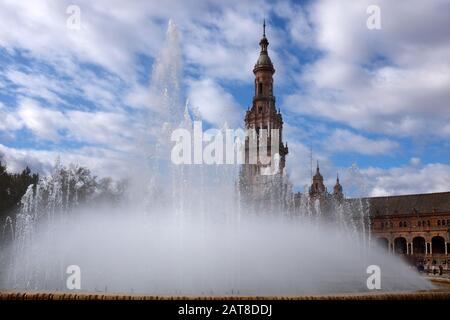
<point>12,187</point>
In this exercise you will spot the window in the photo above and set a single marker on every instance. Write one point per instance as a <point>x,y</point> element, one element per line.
<point>260,88</point>
<point>439,222</point>
<point>400,224</point>
<point>443,222</point>
<point>419,223</point>
<point>428,222</point>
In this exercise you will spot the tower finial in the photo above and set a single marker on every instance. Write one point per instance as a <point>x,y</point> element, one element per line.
<point>264,28</point>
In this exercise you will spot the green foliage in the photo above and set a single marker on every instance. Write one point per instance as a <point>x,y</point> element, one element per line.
<point>12,187</point>
<point>64,189</point>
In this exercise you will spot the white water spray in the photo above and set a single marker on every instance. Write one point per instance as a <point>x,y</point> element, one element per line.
<point>184,230</point>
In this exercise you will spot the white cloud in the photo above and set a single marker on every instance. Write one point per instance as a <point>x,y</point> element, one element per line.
<point>109,129</point>
<point>10,122</point>
<point>102,162</point>
<point>415,162</point>
<point>108,37</point>
<point>44,123</point>
<point>35,85</point>
<point>224,43</point>
<point>139,97</point>
<point>215,104</point>
<point>394,81</point>
<point>298,166</point>
<point>301,160</point>
<point>112,33</point>
<point>298,22</point>
<point>345,141</point>
<point>433,177</point>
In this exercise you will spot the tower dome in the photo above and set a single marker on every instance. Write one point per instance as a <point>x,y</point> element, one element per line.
<point>318,175</point>
<point>264,62</point>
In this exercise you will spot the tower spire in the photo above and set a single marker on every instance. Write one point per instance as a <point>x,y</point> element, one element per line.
<point>337,190</point>
<point>264,28</point>
<point>264,43</point>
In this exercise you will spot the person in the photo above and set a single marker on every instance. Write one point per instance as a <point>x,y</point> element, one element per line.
<point>441,269</point>
<point>434,270</point>
<point>421,268</point>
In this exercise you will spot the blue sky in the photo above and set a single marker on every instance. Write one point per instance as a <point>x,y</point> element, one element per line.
<point>377,98</point>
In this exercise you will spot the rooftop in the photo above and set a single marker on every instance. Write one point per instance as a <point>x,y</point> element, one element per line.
<point>438,202</point>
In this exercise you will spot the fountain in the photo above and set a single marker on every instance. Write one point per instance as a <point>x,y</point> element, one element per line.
<point>183,230</point>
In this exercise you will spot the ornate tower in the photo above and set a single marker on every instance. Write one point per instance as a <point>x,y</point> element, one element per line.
<point>317,189</point>
<point>263,114</point>
<point>337,190</point>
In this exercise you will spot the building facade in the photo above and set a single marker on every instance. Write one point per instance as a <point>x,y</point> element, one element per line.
<point>416,227</point>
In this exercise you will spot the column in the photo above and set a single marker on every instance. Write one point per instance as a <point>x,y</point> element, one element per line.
<point>426,247</point>
<point>411,251</point>
<point>431,249</point>
<point>446,252</point>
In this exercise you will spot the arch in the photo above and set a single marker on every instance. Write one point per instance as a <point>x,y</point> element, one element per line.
<point>438,244</point>
<point>400,245</point>
<point>383,243</point>
<point>419,245</point>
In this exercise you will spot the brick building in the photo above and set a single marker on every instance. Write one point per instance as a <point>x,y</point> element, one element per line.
<point>416,227</point>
